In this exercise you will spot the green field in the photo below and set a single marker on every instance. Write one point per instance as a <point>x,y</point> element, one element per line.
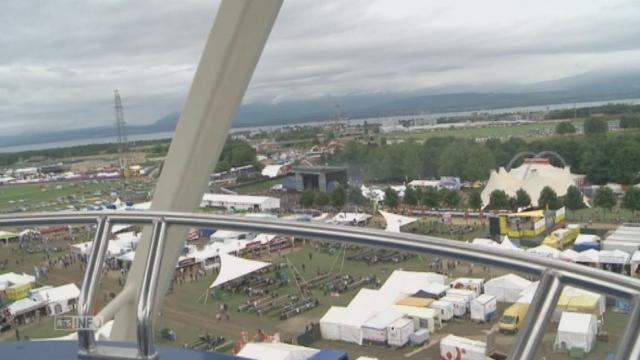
<point>56,195</point>
<point>543,128</point>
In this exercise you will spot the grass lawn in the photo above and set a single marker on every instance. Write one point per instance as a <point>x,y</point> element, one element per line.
<point>543,128</point>
<point>598,215</point>
<point>56,196</point>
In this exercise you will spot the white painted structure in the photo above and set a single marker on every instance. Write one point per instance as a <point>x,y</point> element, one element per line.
<point>240,202</point>
<point>59,300</point>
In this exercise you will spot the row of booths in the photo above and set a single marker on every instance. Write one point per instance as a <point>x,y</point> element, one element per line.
<point>408,307</point>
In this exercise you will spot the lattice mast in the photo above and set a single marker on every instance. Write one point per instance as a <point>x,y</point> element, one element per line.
<point>122,131</point>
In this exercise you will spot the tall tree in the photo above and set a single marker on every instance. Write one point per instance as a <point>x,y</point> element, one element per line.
<point>548,199</point>
<point>522,198</point>
<point>628,121</point>
<point>573,199</point>
<point>410,196</point>
<point>565,127</point>
<point>307,198</point>
<point>431,197</point>
<point>391,198</point>
<point>354,196</point>
<point>595,126</point>
<point>631,199</point>
<point>498,200</point>
<point>604,198</point>
<point>322,199</point>
<point>450,198</point>
<point>475,200</point>
<point>338,197</point>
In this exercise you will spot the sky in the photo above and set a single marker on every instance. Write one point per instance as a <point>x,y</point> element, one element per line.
<point>61,60</point>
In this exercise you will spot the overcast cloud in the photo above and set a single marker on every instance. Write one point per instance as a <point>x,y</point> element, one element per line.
<point>60,60</point>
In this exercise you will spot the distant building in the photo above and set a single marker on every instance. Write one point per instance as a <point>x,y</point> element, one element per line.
<point>322,178</point>
<point>445,182</point>
<point>450,183</point>
<point>240,202</point>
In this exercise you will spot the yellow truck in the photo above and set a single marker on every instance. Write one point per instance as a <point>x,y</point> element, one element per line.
<point>562,238</point>
<point>513,318</point>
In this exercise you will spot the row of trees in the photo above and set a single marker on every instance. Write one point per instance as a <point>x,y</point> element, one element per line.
<point>337,198</point>
<point>236,153</point>
<point>430,197</point>
<point>603,198</point>
<point>590,126</point>
<point>612,158</point>
<point>548,199</point>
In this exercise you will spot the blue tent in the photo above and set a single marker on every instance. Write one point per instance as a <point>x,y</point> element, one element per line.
<point>327,354</point>
<point>586,246</point>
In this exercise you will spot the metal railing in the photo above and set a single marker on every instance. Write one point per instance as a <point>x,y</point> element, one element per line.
<point>554,273</point>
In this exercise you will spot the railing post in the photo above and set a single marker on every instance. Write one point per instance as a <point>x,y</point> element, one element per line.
<point>540,310</point>
<point>629,346</point>
<point>148,291</point>
<point>90,283</point>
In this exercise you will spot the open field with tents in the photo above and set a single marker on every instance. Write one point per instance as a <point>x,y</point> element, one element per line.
<point>186,313</point>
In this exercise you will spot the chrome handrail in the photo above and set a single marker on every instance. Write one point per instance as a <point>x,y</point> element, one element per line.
<point>554,273</point>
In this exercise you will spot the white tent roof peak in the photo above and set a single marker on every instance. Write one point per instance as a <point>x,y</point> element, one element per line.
<point>232,267</point>
<point>395,222</point>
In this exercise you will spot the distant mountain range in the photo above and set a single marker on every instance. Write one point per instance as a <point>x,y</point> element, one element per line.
<point>594,86</point>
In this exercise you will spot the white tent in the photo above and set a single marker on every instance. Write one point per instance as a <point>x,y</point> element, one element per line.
<point>271,170</point>
<point>341,323</point>
<point>613,257</point>
<point>506,288</point>
<point>532,176</point>
<point>119,227</point>
<point>395,222</point>
<point>569,255</point>
<point>128,256</point>
<point>232,267</point>
<point>587,238</point>
<point>373,300</point>
<point>576,330</point>
<point>507,244</point>
<point>12,279</point>
<point>348,218</point>
<point>588,256</point>
<point>276,351</point>
<point>484,242</point>
<point>127,240</point>
<point>410,282</point>
<point>59,299</point>
<point>545,251</point>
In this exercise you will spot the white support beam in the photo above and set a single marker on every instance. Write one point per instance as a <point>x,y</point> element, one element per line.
<point>238,36</point>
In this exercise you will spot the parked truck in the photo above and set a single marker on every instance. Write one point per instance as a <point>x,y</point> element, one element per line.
<point>513,318</point>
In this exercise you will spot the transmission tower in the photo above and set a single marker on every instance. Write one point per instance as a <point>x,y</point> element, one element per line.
<point>122,131</point>
<point>338,117</point>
